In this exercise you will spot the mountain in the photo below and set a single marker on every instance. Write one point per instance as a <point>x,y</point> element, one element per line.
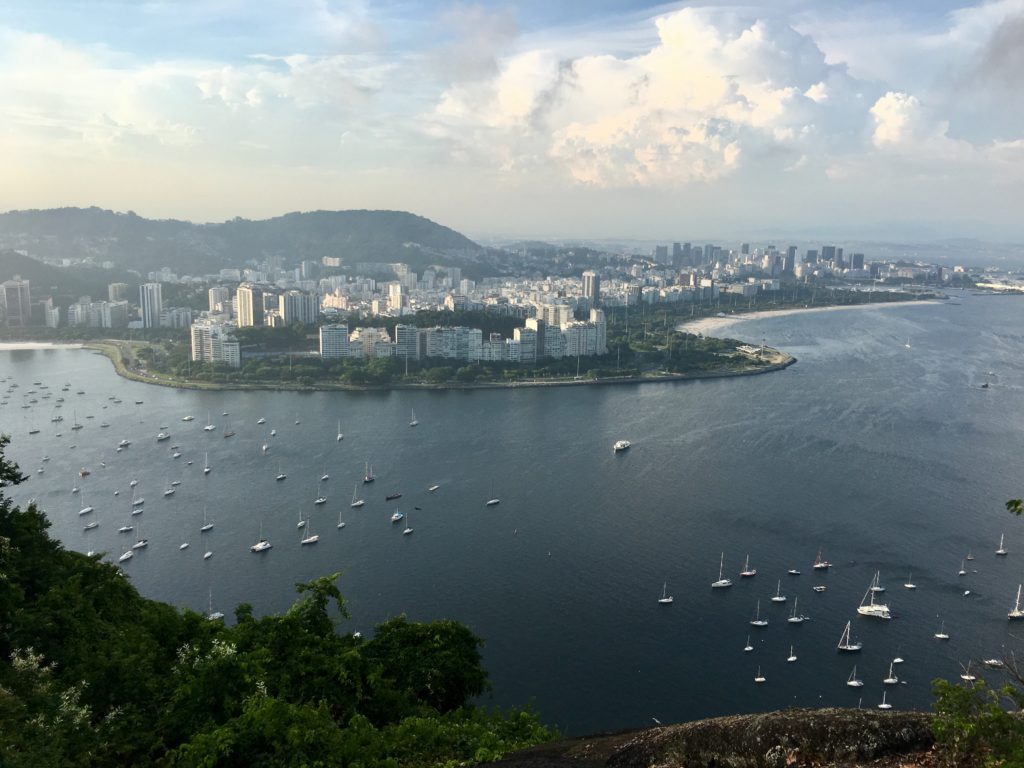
<point>133,242</point>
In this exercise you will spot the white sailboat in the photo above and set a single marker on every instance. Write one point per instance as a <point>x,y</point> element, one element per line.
<point>967,676</point>
<point>302,521</point>
<point>320,498</point>
<point>211,614</point>
<point>210,426</point>
<point>310,537</point>
<point>792,656</point>
<point>261,545</point>
<point>747,571</point>
<point>325,477</point>
<point>759,678</point>
<point>356,501</point>
<point>1017,612</point>
<point>280,473</point>
<point>778,597</point>
<point>665,598</point>
<point>885,704</point>
<point>340,436</point>
<point>757,621</point>
<point>793,617</point>
<point>891,679</point>
<point>408,527</point>
<point>909,584</point>
<point>876,583</point>
<point>942,634</point>
<point>721,581</point>
<point>868,607</point>
<point>86,509</point>
<point>962,571</point>
<point>853,680</point>
<point>748,647</point>
<point>206,526</point>
<point>126,555</point>
<point>494,499</point>
<point>1002,549</point>
<point>341,523</point>
<point>368,474</point>
<point>413,421</point>
<point>845,644</point>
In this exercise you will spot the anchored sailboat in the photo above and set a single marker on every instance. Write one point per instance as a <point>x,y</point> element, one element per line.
<point>721,581</point>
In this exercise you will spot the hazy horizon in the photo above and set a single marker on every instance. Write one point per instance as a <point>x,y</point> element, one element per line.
<point>605,120</point>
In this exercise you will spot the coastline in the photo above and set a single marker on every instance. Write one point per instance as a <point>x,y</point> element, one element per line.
<point>14,346</point>
<point>710,325</point>
<point>112,351</point>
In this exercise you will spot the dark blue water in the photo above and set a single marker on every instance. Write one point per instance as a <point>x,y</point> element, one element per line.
<point>886,458</point>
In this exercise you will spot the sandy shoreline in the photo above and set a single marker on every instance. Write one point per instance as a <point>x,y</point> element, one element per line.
<point>12,346</point>
<point>709,326</point>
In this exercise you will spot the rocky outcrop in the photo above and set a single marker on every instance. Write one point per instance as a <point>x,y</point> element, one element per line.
<point>793,737</point>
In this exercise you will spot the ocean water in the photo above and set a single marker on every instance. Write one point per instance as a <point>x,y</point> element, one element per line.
<point>884,457</point>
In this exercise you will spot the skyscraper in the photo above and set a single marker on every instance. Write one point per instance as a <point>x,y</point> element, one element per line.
<point>250,305</point>
<point>333,341</point>
<point>16,302</point>
<point>150,303</point>
<point>117,291</point>
<point>592,287</point>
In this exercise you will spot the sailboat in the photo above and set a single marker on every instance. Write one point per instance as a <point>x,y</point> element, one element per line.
<point>302,521</point>
<point>90,526</point>
<point>340,436</point>
<point>907,345</point>
<point>341,523</point>
<point>408,527</point>
<point>413,421</point>
<point>261,420</point>
<point>126,555</point>
<point>86,509</point>
<point>757,621</point>
<point>1002,549</point>
<point>819,564</point>
<point>494,499</point>
<point>868,607</point>
<point>325,477</point>
<point>891,679</point>
<point>747,571</point>
<point>228,431</point>
<point>962,571</point>
<point>170,490</point>
<point>261,545</point>
<point>792,656</point>
<point>845,644</point>
<point>74,422</point>
<point>397,515</point>
<point>368,474</point>
<point>206,526</point>
<point>748,647</point>
<point>909,584</point>
<point>206,464</point>
<point>210,426</point>
<point>137,503</point>
<point>280,473</point>
<point>721,582</point>
<point>885,704</point>
<point>211,614</point>
<point>310,538</point>
<point>853,681</point>
<point>320,498</point>
<point>1017,612</point>
<point>778,597</point>
<point>356,501</point>
<point>140,542</point>
<point>759,678</point>
<point>665,598</point>
<point>876,583</point>
<point>793,618</point>
<point>942,634</point>
<point>967,676</point>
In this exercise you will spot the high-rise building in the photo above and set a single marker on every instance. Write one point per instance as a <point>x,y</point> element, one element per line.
<point>333,341</point>
<point>828,253</point>
<point>113,314</point>
<point>527,339</point>
<point>407,342</point>
<point>857,261</point>
<point>677,254</point>
<point>150,304</point>
<point>661,254</point>
<point>16,302</point>
<point>250,305</point>
<point>298,307</point>
<point>52,318</point>
<point>117,291</point>
<point>592,287</point>
<point>745,249</point>
<point>218,298</point>
<point>214,343</point>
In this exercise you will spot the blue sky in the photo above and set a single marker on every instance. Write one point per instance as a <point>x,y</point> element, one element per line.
<point>597,119</point>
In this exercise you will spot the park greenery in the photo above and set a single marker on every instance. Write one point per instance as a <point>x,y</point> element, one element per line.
<point>94,674</point>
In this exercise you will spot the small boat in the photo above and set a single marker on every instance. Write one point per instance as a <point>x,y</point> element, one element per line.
<point>819,587</point>
<point>83,472</point>
<point>993,663</point>
<point>265,447</point>
<point>757,621</point>
<point>169,492</point>
<point>356,501</point>
<point>792,656</point>
<point>324,477</point>
<point>413,421</point>
<point>392,496</point>
<point>397,515</point>
<point>137,502</point>
<point>368,474</point>
<point>721,581</point>
<point>967,676</point>
<point>665,598</point>
<point>778,597</point>
<point>748,647</point>
<point>280,474</point>
<point>86,509</point>
<point>183,545</point>
<point>161,436</point>
<point>273,433</point>
<point>187,418</point>
<point>847,645</point>
<point>885,704</point>
<point>176,455</point>
<point>261,545</point>
<point>207,555</point>
<point>90,526</point>
<point>1017,612</point>
<point>793,572</point>
<point>261,420</point>
<point>853,681</point>
<point>942,634</point>
<point>124,443</point>
<point>433,488</point>
<point>128,555</point>
<point>747,571</point>
<point>620,445</point>
<point>970,556</point>
<point>759,678</point>
<point>891,679</point>
<point>175,483</point>
<point>909,584</point>
<point>140,543</point>
<point>340,436</point>
<point>1002,549</point>
<point>819,564</point>
<point>133,482</point>
<point>794,618</point>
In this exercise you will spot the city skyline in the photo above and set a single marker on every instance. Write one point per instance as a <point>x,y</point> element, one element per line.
<point>609,119</point>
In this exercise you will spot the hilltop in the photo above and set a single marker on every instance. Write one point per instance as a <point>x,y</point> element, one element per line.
<point>134,242</point>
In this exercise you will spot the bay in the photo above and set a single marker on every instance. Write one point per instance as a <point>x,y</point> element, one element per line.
<point>887,458</point>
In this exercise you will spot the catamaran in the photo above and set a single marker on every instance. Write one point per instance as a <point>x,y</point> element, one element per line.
<point>721,581</point>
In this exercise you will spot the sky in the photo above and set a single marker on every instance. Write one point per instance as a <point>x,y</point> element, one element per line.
<point>595,119</point>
